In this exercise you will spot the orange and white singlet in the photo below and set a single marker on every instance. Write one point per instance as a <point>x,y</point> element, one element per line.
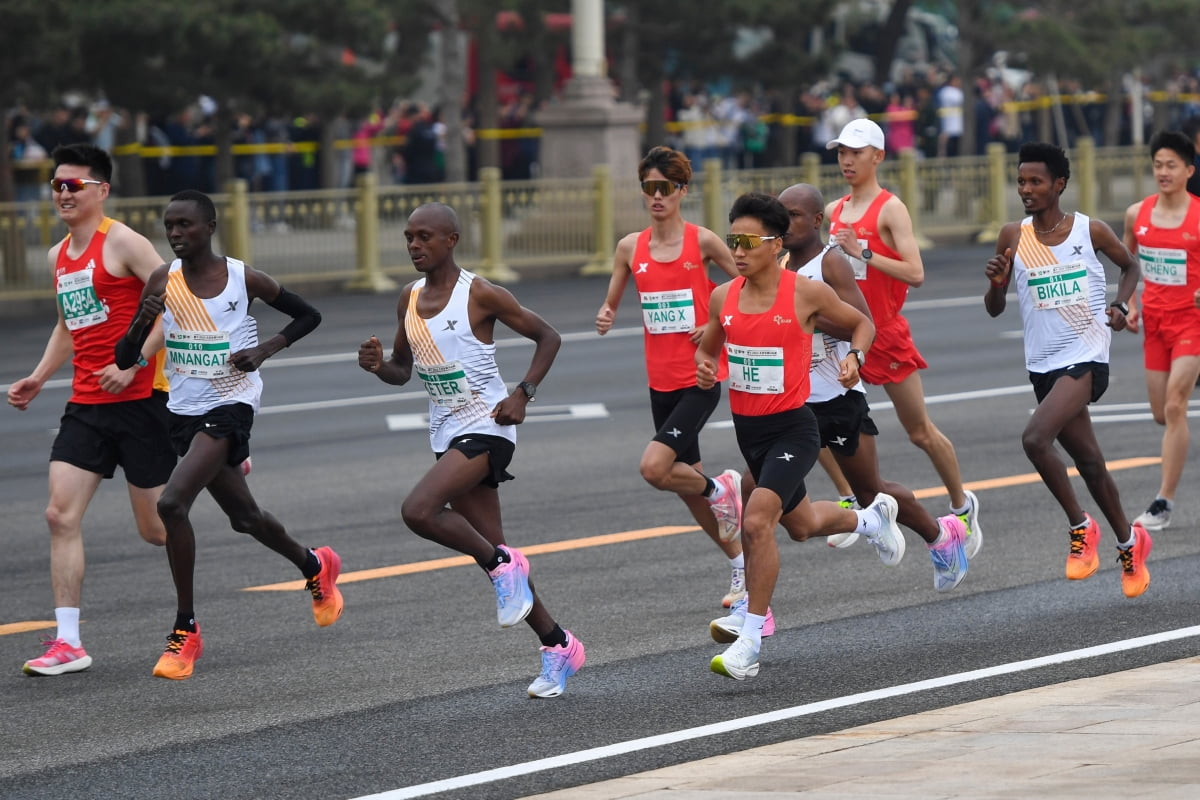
<point>97,309</point>
<point>674,299</point>
<point>769,353</point>
<point>884,294</point>
<point>1169,257</point>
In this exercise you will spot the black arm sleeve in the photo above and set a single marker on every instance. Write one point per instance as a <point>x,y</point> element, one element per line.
<point>305,318</point>
<point>129,351</point>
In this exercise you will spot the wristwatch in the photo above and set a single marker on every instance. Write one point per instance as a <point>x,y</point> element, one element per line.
<point>867,255</point>
<point>530,389</point>
<point>1122,307</point>
<point>862,359</point>
<point>141,362</point>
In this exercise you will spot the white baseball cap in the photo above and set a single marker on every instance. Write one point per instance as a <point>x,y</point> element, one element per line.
<point>859,133</point>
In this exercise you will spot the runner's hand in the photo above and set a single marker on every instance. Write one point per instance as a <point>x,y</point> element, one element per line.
<point>370,354</point>
<point>604,319</point>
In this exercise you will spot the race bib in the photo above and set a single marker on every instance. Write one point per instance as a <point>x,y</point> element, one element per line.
<point>446,383</point>
<point>77,298</point>
<point>1058,285</point>
<point>668,312</point>
<point>1165,266</point>
<point>199,354</point>
<point>819,349</point>
<point>755,370</point>
<point>859,266</point>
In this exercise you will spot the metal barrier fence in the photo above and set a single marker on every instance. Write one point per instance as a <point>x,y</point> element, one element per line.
<point>355,237</point>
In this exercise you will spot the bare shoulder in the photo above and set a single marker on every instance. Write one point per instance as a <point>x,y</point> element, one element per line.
<point>128,251</point>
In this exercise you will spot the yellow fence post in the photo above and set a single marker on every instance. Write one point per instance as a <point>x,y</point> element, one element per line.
<point>714,211</point>
<point>1086,165</point>
<point>909,194</point>
<point>810,169</point>
<point>369,273</point>
<point>491,218</point>
<point>996,192</point>
<point>236,227</point>
<point>602,222</point>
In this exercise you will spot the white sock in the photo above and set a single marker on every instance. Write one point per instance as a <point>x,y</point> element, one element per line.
<point>717,493</point>
<point>941,537</point>
<point>752,628</point>
<point>1129,542</point>
<point>868,522</point>
<point>738,561</point>
<point>68,625</point>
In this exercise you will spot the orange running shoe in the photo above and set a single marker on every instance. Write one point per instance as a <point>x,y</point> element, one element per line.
<point>1084,560</point>
<point>326,597</point>
<point>1135,578</point>
<point>177,661</point>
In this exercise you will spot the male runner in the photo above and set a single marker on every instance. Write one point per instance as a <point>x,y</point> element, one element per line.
<point>843,416</point>
<point>874,229</point>
<point>668,263</point>
<point>115,416</point>
<point>1060,288</point>
<point>447,319</point>
<point>1163,230</point>
<point>213,360</point>
<point>764,321</point>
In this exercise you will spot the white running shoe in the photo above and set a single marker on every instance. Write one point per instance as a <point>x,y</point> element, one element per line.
<point>888,541</point>
<point>970,519</point>
<point>841,540</point>
<point>739,661</point>
<point>737,587</point>
<point>728,508</point>
<point>1156,517</point>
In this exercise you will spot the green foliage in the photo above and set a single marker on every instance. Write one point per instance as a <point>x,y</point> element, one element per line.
<point>38,48</point>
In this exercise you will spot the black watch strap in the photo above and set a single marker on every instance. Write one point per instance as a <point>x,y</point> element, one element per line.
<point>530,389</point>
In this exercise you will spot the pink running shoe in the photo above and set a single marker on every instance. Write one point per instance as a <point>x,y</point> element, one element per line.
<point>59,658</point>
<point>728,508</point>
<point>326,596</point>
<point>514,597</point>
<point>558,664</point>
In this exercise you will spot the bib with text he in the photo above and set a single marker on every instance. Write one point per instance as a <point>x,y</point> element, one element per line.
<point>199,354</point>
<point>671,311</point>
<point>81,307</point>
<point>1058,285</point>
<point>1165,266</point>
<point>446,383</point>
<point>755,370</point>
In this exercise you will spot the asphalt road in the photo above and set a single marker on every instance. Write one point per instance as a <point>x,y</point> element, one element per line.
<point>416,684</point>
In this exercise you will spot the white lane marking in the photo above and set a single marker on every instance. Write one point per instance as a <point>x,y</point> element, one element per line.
<point>718,728</point>
<point>420,422</point>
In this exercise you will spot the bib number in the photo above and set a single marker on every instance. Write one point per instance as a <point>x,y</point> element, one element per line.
<point>199,354</point>
<point>1163,265</point>
<point>446,384</point>
<point>755,370</point>
<point>81,307</point>
<point>668,312</point>
<point>1058,285</point>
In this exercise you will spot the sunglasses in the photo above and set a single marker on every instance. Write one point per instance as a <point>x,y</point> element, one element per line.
<point>665,188</point>
<point>746,241</point>
<point>72,185</point>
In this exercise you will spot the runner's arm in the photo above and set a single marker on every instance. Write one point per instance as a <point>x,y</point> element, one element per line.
<point>896,224</point>
<point>714,249</point>
<point>712,340</point>
<point>616,284</point>
<point>397,369</point>
<point>503,306</point>
<point>999,270</point>
<point>1105,241</point>
<point>838,273</point>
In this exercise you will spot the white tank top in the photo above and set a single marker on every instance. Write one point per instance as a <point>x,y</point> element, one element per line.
<point>457,370</point>
<point>1061,294</point>
<point>201,333</point>
<point>828,352</point>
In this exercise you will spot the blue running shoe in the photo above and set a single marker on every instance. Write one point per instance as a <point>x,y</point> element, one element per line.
<point>558,664</point>
<point>950,557</point>
<point>514,598</point>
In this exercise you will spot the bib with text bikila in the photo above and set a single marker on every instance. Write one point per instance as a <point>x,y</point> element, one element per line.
<point>446,383</point>
<point>1165,266</point>
<point>755,370</point>
<point>1058,285</point>
<point>199,354</point>
<point>671,311</point>
<point>77,298</point>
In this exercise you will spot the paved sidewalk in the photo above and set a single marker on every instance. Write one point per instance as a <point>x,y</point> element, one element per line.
<point>1131,734</point>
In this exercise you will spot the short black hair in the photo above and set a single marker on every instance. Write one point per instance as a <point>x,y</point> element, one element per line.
<point>674,165</point>
<point>202,201</point>
<point>1180,142</point>
<point>763,207</point>
<point>1052,156</point>
<point>81,154</point>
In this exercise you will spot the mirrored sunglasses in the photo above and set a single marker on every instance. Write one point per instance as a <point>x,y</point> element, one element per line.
<point>72,185</point>
<point>665,188</point>
<point>746,241</point>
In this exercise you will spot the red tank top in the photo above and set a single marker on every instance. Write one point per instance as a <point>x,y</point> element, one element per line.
<point>884,294</point>
<point>97,309</point>
<point>1169,257</point>
<point>673,297</point>
<point>769,353</point>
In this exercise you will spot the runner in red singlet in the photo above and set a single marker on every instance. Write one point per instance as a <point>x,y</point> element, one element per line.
<point>1163,231</point>
<point>875,231</point>
<point>668,262</point>
<point>114,417</point>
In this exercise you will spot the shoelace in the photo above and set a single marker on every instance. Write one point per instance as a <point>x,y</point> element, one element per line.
<point>314,585</point>
<point>1157,507</point>
<point>54,647</point>
<point>505,588</point>
<point>176,640</point>
<point>737,580</point>
<point>1078,541</point>
<point>554,660</point>
<point>1125,557</point>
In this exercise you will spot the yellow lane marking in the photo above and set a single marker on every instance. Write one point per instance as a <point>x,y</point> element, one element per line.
<point>1033,477</point>
<point>25,627</point>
